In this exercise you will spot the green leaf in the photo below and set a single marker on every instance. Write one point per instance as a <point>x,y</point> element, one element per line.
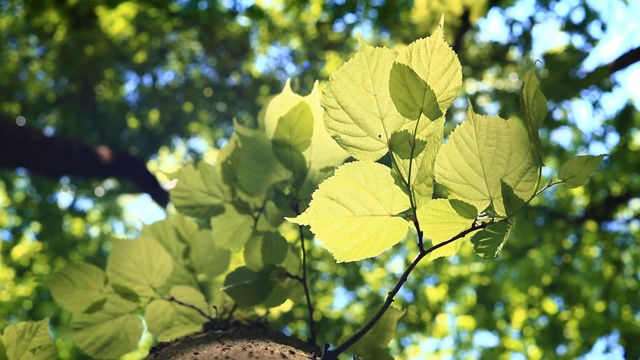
<point>411,95</point>
<point>294,129</point>
<point>231,229</point>
<point>78,286</point>
<point>28,340</point>
<point>247,287</point>
<point>125,293</point>
<point>403,144</point>
<point>141,264</point>
<point>512,203</point>
<point>200,191</point>
<point>3,350</point>
<point>488,242</point>
<point>373,345</point>
<point>207,258</point>
<point>353,212</point>
<point>265,248</point>
<point>577,171</point>
<point>480,153</point>
<point>258,166</point>
<point>109,333</point>
<point>174,233</point>
<point>359,112</point>
<point>535,108</point>
<point>422,172</point>
<point>437,64</point>
<point>168,320</point>
<point>441,220</point>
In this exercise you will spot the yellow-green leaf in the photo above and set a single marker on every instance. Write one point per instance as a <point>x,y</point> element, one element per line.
<point>168,320</point>
<point>481,152</point>
<point>231,229</point>
<point>359,112</point>
<point>200,191</point>
<point>437,64</point>
<point>577,171</point>
<point>535,108</point>
<point>207,258</point>
<point>28,340</point>
<point>488,242</point>
<point>352,213</point>
<point>373,345</point>
<point>441,220</point>
<point>78,286</point>
<point>412,95</point>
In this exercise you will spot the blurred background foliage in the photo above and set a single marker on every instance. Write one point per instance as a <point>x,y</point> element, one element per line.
<point>164,80</point>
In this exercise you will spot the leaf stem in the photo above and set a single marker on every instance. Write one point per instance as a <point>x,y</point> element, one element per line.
<point>333,354</point>
<point>170,298</point>
<point>303,280</point>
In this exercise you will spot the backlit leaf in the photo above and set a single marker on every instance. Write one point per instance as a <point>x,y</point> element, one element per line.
<point>267,248</point>
<point>411,95</point>
<point>512,203</point>
<point>207,258</point>
<point>403,144</point>
<point>359,112</point>
<point>247,287</point>
<point>200,191</point>
<point>535,108</point>
<point>140,264</point>
<point>480,153</point>
<point>488,242</point>
<point>109,333</point>
<point>78,286</point>
<point>373,345</point>
<point>352,213</point>
<point>441,220</point>
<point>231,229</point>
<point>437,64</point>
<point>28,340</point>
<point>577,171</point>
<point>168,320</point>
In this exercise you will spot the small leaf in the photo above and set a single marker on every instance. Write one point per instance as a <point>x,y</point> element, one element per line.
<point>125,293</point>
<point>200,191</point>
<point>95,307</point>
<point>535,108</point>
<point>359,112</point>
<point>231,229</point>
<point>247,287</point>
<point>488,242</point>
<point>441,220</point>
<point>207,258</point>
<point>512,202</point>
<point>373,345</point>
<point>78,286</point>
<point>405,146</point>
<point>480,153</point>
<point>577,171</point>
<point>109,333</point>
<point>27,340</point>
<point>267,248</point>
<point>294,129</point>
<point>411,95</point>
<point>140,264</point>
<point>168,320</point>
<point>353,212</point>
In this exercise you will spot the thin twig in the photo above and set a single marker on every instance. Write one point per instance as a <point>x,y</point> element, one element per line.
<point>333,354</point>
<point>190,306</point>
<point>307,294</point>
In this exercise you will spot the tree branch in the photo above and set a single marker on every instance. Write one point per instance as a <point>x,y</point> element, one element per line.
<point>627,59</point>
<point>56,156</point>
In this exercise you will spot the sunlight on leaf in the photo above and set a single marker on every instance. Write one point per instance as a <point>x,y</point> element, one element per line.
<point>577,171</point>
<point>411,95</point>
<point>373,345</point>
<point>535,108</point>
<point>78,286</point>
<point>352,213</point>
<point>206,257</point>
<point>28,340</point>
<point>169,320</point>
<point>359,112</point>
<point>442,219</point>
<point>200,191</point>
<point>480,153</point>
<point>231,229</point>
<point>488,242</point>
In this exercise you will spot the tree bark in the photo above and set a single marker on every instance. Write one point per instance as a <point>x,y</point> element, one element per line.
<point>56,156</point>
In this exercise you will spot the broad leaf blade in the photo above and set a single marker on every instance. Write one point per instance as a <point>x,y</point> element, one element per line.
<point>577,171</point>
<point>76,287</point>
<point>231,229</point>
<point>353,212</point>
<point>512,202</point>
<point>441,220</point>
<point>480,153</point>
<point>168,320</point>
<point>373,345</point>
<point>28,340</point>
<point>488,242</point>
<point>359,112</point>
<point>207,258</point>
<point>535,108</point>
<point>200,191</point>
<point>405,146</point>
<point>266,248</point>
<point>437,64</point>
<point>109,333</point>
<point>140,264</point>
<point>411,95</point>
<point>247,287</point>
